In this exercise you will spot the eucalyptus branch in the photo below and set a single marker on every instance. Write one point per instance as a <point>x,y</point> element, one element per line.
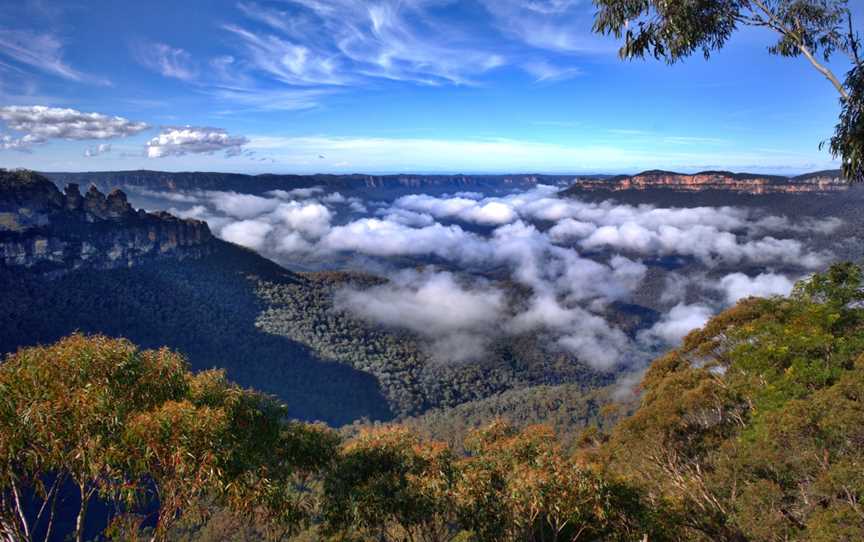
<point>853,40</point>
<point>778,25</point>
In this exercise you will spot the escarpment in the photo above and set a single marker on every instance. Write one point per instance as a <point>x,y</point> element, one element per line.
<point>743,183</point>
<point>53,232</point>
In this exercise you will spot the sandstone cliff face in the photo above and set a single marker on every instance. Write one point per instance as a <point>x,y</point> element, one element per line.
<point>819,182</point>
<point>52,232</point>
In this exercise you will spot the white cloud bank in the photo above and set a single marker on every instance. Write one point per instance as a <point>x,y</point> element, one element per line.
<point>416,301</point>
<point>536,240</point>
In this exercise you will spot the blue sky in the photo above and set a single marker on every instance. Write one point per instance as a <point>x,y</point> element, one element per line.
<point>387,86</point>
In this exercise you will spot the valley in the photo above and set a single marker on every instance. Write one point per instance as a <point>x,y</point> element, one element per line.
<point>534,333</point>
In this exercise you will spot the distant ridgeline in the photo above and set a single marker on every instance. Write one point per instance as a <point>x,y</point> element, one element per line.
<point>53,232</point>
<point>744,183</point>
<point>93,264</point>
<point>167,181</point>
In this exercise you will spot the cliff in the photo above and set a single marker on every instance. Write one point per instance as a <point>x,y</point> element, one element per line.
<point>52,232</point>
<point>744,183</point>
<point>256,184</point>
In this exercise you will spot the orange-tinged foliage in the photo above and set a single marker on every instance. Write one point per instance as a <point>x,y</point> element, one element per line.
<point>134,426</point>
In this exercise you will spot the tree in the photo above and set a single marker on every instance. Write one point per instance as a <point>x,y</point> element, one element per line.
<point>98,418</point>
<point>752,429</point>
<point>388,486</point>
<point>815,29</point>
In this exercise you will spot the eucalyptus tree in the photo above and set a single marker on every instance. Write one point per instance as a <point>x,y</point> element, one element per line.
<point>96,418</point>
<point>814,29</point>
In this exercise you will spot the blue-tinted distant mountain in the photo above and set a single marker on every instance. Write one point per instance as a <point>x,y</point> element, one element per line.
<point>161,181</point>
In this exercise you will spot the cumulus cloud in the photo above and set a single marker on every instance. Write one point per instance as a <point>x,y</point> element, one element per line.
<point>302,193</point>
<point>486,212</point>
<point>21,144</point>
<point>63,123</point>
<point>580,332</point>
<point>376,237</point>
<point>179,141</point>
<point>242,205</point>
<point>101,148</point>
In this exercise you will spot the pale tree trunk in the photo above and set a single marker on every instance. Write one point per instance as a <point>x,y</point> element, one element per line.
<point>82,513</point>
<point>24,531</point>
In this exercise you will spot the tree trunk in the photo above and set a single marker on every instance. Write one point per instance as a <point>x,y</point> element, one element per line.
<point>82,514</point>
<point>25,525</point>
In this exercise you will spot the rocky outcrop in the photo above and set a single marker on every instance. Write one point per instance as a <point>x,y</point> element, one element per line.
<point>744,183</point>
<point>52,232</point>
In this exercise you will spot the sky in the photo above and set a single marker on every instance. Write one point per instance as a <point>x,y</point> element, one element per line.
<point>385,86</point>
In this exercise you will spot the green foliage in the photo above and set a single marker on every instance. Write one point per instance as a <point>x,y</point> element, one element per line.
<point>135,428</point>
<point>674,29</point>
<point>566,408</point>
<point>205,309</point>
<point>412,381</point>
<point>751,430</point>
<point>513,486</point>
<point>848,140</point>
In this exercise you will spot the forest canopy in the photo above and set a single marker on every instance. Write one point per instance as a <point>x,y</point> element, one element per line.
<point>705,456</point>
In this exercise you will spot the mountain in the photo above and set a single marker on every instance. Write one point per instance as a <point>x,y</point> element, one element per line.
<point>255,184</point>
<point>93,264</point>
<point>50,232</point>
<point>744,183</point>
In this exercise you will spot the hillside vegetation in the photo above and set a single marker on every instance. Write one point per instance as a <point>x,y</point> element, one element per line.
<point>413,382</point>
<point>753,430</point>
<point>273,330</point>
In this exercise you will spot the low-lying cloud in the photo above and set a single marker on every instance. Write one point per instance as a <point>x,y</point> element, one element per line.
<point>571,262</point>
<point>458,320</point>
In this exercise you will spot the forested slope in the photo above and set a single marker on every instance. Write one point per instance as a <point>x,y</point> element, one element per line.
<point>303,310</point>
<point>205,309</point>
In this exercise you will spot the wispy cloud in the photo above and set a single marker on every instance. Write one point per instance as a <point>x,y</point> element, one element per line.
<point>336,42</point>
<point>166,60</point>
<point>544,71</point>
<point>555,25</point>
<point>41,51</point>
<point>238,99</point>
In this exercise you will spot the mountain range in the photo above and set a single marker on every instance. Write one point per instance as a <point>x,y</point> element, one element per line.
<point>94,264</point>
<point>749,183</point>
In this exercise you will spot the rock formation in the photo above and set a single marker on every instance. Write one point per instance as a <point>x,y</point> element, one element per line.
<point>52,232</point>
<point>744,183</point>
